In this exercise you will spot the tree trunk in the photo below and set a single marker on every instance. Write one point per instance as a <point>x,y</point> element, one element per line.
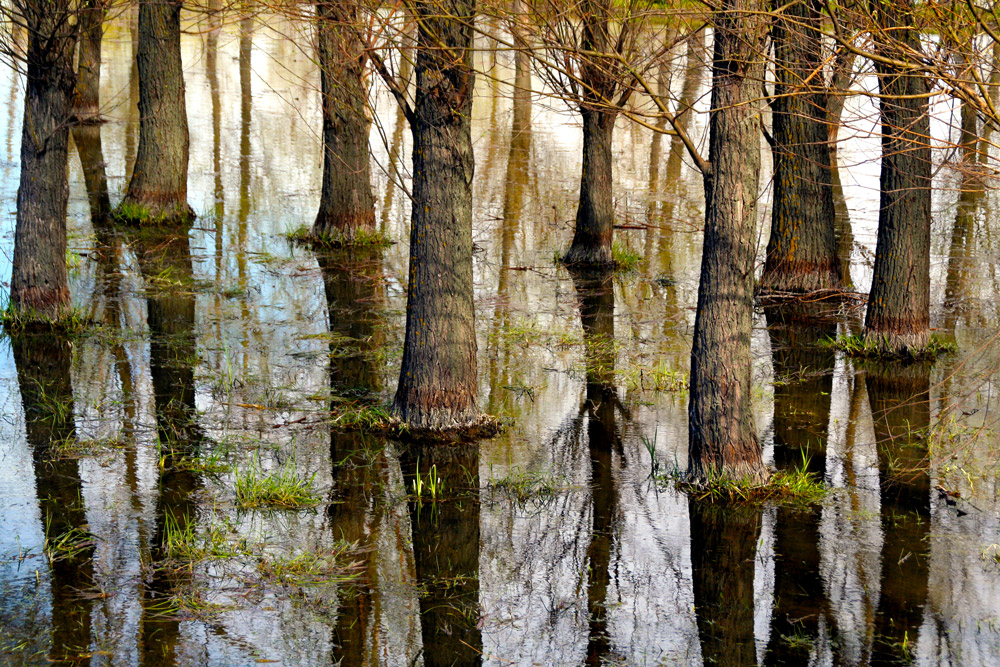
<point>722,435</point>
<point>595,215</point>
<point>346,204</point>
<point>898,316</point>
<point>802,248</point>
<point>157,191</point>
<point>39,286</point>
<point>87,98</point>
<point>438,379</point>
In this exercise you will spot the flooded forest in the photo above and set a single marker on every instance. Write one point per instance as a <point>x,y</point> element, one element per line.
<point>499,332</point>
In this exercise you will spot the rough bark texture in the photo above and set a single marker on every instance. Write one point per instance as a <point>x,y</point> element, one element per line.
<point>595,215</point>
<point>346,203</point>
<point>43,375</point>
<point>87,98</point>
<point>39,287</point>
<point>722,435</point>
<point>802,248</point>
<point>157,191</point>
<point>438,380</point>
<point>723,552</point>
<point>898,316</point>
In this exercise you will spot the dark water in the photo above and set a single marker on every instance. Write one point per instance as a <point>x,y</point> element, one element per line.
<point>220,354</point>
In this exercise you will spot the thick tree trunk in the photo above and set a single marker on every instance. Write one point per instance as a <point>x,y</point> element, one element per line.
<point>39,287</point>
<point>438,379</point>
<point>346,204</point>
<point>157,191</point>
<point>802,248</point>
<point>595,215</point>
<point>722,435</point>
<point>898,316</point>
<point>87,98</point>
<point>43,374</point>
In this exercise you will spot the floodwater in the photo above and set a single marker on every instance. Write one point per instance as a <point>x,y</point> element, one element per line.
<point>229,354</point>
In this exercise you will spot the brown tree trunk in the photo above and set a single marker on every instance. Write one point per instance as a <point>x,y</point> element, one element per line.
<point>438,380</point>
<point>898,316</point>
<point>802,248</point>
<point>87,98</point>
<point>157,191</point>
<point>346,204</point>
<point>39,287</point>
<point>722,435</point>
<point>595,215</point>
<point>43,375</point>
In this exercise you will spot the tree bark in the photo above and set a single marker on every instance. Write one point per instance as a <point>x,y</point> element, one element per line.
<point>898,316</point>
<point>595,215</point>
<point>39,287</point>
<point>87,97</point>
<point>722,435</point>
<point>802,247</point>
<point>90,149</point>
<point>346,204</point>
<point>438,379</point>
<point>157,191</point>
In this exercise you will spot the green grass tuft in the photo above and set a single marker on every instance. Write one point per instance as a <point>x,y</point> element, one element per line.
<point>860,347</point>
<point>361,238</point>
<point>284,488</point>
<point>624,257</point>
<point>793,485</point>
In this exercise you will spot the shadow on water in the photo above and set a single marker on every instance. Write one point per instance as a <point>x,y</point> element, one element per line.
<point>43,375</point>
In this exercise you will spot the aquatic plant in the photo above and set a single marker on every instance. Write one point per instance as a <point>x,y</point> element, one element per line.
<point>284,488</point>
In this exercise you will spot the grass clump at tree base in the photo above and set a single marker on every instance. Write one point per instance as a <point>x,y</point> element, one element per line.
<point>134,214</point>
<point>792,485</point>
<point>862,347</point>
<point>360,238</point>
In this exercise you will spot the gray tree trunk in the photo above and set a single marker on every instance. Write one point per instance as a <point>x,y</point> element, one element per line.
<point>722,435</point>
<point>87,99</point>
<point>157,191</point>
<point>438,380</point>
<point>39,287</point>
<point>346,204</point>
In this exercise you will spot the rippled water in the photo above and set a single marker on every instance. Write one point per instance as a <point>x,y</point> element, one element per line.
<point>220,354</point>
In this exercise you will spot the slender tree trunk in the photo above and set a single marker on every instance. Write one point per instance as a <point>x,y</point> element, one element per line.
<point>722,435</point>
<point>157,191</point>
<point>898,316</point>
<point>346,204</point>
<point>39,287</point>
<point>802,248</point>
<point>87,98</point>
<point>595,215</point>
<point>438,380</point>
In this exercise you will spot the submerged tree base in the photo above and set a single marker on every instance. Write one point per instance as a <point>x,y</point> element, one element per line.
<point>17,320</point>
<point>135,214</point>
<point>589,257</point>
<point>379,419</point>
<point>897,347</point>
<point>357,238</point>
